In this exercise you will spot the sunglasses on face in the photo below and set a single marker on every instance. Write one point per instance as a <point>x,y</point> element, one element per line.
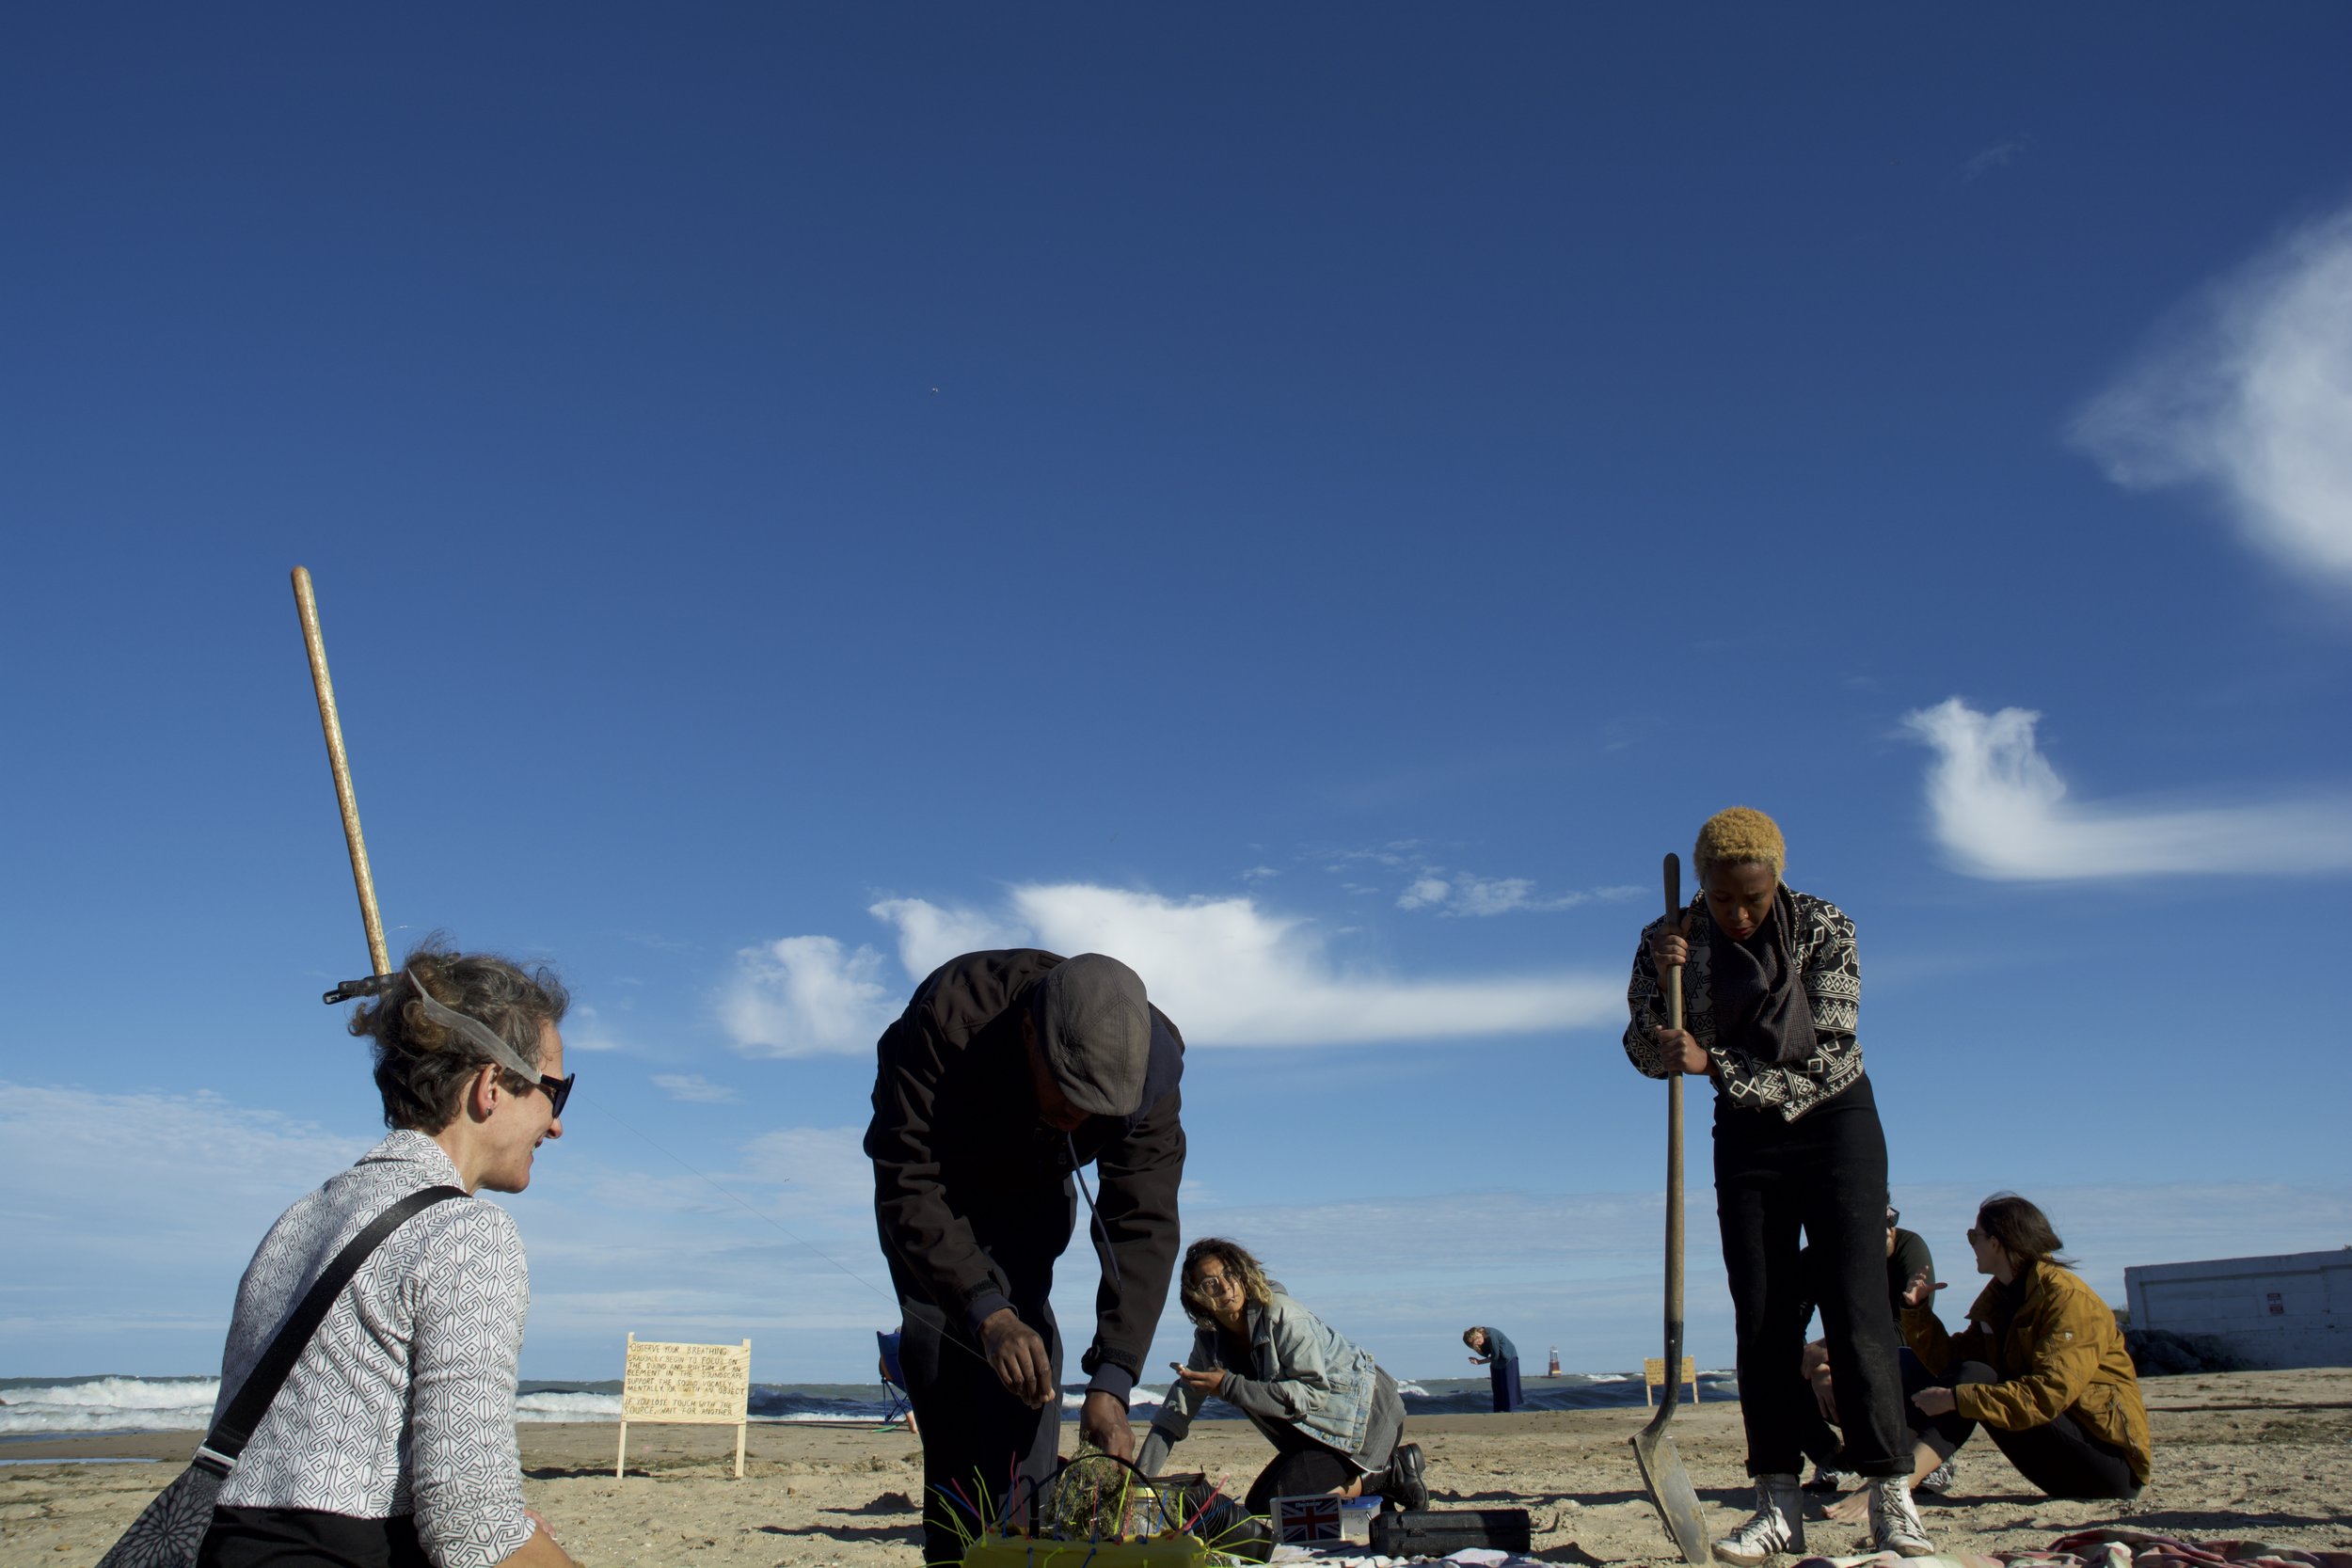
<point>559,1090</point>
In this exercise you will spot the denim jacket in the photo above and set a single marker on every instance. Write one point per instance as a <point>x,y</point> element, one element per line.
<point>1304,1376</point>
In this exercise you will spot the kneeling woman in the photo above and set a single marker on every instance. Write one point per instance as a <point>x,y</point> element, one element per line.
<point>2041,1364</point>
<point>1334,1418</point>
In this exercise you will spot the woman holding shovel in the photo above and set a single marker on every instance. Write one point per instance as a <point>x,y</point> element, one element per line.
<point>1771,989</point>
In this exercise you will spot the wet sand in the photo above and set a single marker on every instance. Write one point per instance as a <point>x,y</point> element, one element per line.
<point>2244,1454</point>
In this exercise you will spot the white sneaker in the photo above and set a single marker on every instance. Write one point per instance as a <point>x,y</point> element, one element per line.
<point>1895,1522</point>
<point>1939,1480</point>
<point>1777,1525</point>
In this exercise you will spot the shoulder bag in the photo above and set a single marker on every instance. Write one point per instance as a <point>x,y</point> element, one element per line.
<point>169,1533</point>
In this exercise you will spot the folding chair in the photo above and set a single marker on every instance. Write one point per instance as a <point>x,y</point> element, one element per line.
<point>894,1382</point>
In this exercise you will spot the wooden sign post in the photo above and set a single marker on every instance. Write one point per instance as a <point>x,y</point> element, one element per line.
<point>691,1385</point>
<point>1654,1376</point>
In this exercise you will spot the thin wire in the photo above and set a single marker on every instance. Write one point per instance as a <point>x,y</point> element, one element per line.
<point>736,1200</point>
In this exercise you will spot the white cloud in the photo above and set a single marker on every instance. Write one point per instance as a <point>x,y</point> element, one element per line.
<point>693,1088</point>
<point>584,1029</point>
<point>804,996</point>
<point>929,936</point>
<point>1423,893</point>
<point>2247,389</point>
<point>1233,974</point>
<point>2001,812</point>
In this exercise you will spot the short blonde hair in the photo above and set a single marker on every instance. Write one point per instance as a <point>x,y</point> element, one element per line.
<point>1740,835</point>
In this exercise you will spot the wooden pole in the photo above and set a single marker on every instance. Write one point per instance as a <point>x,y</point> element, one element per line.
<point>620,1462</point>
<point>306,603</point>
<point>744,1425</point>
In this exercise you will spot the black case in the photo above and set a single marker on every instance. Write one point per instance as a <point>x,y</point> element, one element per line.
<point>1440,1532</point>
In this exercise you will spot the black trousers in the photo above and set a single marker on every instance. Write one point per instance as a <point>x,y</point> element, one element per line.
<point>1777,1184</point>
<point>303,1538</point>
<point>1304,1468</point>
<point>2060,1458</point>
<point>980,1442</point>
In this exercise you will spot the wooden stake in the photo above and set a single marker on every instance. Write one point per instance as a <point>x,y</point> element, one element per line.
<point>307,605</point>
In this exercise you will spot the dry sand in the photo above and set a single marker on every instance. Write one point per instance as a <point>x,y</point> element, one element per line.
<point>2246,1454</point>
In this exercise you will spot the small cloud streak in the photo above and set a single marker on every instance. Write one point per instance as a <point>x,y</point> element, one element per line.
<point>1999,156</point>
<point>1459,893</point>
<point>2001,812</point>
<point>693,1088</point>
<point>2246,391</point>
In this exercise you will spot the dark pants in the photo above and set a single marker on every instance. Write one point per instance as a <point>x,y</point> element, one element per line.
<point>1777,1183</point>
<point>2060,1458</point>
<point>303,1538</point>
<point>978,1441</point>
<point>1304,1468</point>
<point>1502,1375</point>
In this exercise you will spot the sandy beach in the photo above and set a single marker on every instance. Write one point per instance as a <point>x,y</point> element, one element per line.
<point>2247,1454</point>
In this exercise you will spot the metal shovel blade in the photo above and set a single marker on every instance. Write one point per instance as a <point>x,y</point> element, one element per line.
<point>1669,1486</point>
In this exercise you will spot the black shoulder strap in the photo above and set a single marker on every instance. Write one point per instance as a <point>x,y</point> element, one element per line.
<point>230,1434</point>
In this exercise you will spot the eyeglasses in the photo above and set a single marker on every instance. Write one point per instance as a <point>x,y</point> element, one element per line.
<point>559,1090</point>
<point>1892,1216</point>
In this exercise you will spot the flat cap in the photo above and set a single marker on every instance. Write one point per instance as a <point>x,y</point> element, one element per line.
<point>1094,1024</point>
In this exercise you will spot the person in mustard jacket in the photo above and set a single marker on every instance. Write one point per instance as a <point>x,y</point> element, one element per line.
<point>2041,1363</point>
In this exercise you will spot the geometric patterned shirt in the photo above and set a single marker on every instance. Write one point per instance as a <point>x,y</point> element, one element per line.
<point>403,1403</point>
<point>1831,976</point>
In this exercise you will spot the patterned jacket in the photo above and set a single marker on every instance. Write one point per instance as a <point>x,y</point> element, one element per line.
<point>404,1400</point>
<point>1833,983</point>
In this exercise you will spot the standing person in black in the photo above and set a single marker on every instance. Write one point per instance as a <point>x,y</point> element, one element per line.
<point>1772,993</point>
<point>1008,1074</point>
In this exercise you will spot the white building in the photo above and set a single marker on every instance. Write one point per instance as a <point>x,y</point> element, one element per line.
<point>2290,1311</point>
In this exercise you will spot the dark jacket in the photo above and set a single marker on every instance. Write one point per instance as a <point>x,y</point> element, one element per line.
<point>972,1191</point>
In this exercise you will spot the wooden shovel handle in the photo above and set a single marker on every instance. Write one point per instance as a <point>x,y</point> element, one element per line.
<point>308,604</point>
<point>1672,981</point>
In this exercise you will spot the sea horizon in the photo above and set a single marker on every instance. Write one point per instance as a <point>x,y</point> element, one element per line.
<point>110,1403</point>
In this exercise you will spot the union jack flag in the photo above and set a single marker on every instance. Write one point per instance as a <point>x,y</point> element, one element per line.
<point>1302,1521</point>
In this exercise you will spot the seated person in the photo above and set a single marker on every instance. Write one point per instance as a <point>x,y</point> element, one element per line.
<point>1907,1255</point>
<point>392,1441</point>
<point>2041,1364</point>
<point>1334,1418</point>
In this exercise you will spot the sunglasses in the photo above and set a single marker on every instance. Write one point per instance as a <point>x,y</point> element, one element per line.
<point>559,1090</point>
<point>1892,1216</point>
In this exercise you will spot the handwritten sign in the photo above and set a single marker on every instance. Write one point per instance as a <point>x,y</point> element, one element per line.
<point>702,1385</point>
<point>1654,1376</point>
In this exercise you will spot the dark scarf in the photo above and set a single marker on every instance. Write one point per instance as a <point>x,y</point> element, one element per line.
<point>1760,1004</point>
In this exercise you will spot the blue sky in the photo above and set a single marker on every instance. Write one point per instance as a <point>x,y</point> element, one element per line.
<point>1314,502</point>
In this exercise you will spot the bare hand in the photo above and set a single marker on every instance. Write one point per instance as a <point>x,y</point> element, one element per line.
<point>1102,1422</point>
<point>1935,1402</point>
<point>1825,1394</point>
<point>1670,946</point>
<point>1019,1358</point>
<point>1209,1381</point>
<point>1919,1292</point>
<point>1681,1051</point>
